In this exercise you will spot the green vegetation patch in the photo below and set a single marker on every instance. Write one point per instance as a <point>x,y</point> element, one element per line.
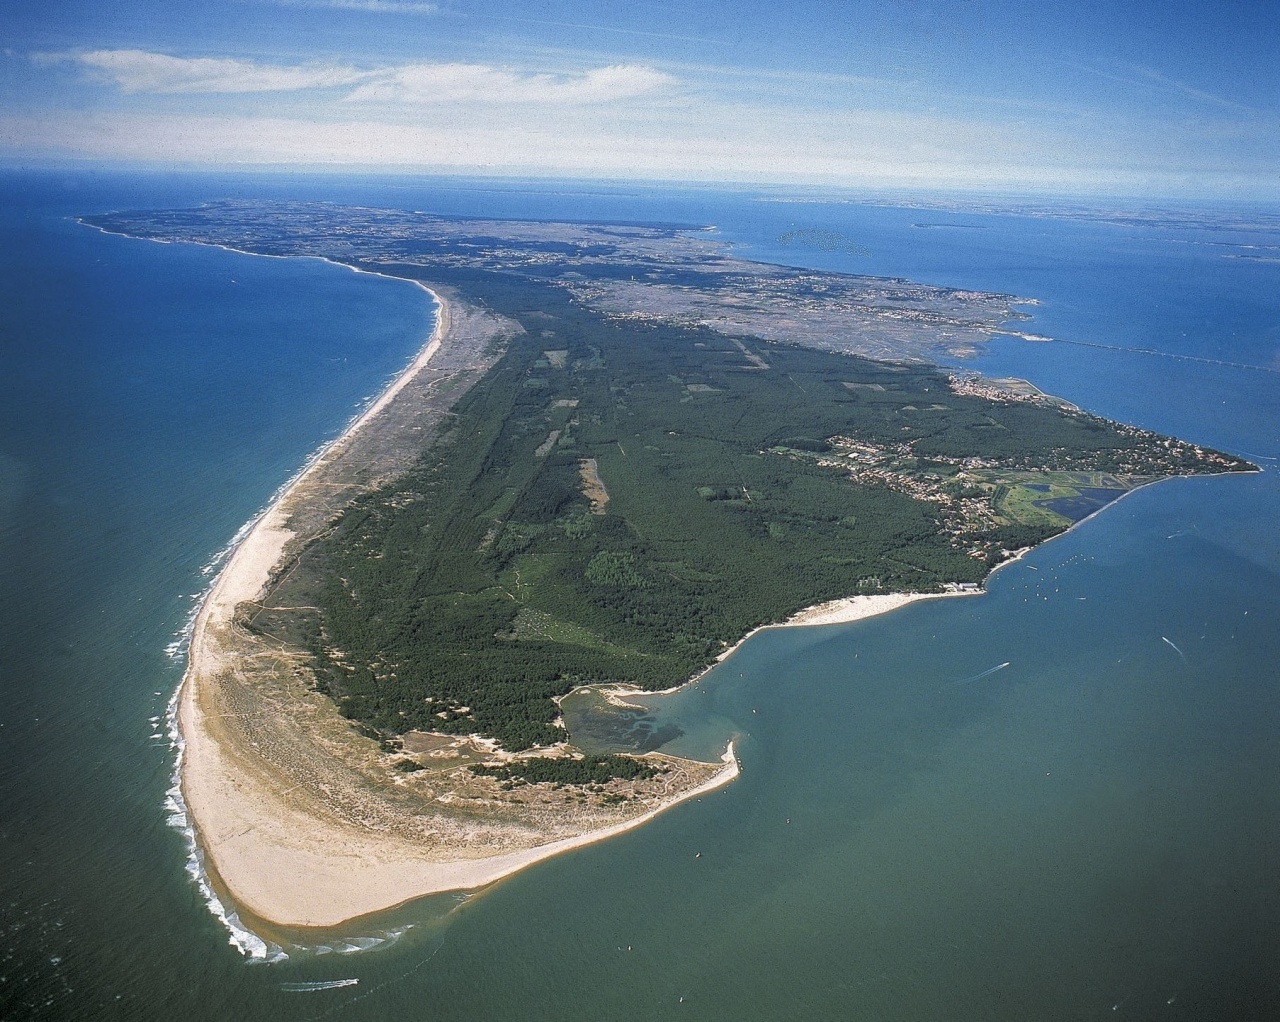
<point>568,770</point>
<point>1045,498</point>
<point>475,590</point>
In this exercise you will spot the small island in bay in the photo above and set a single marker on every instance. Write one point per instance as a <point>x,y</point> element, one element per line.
<point>623,450</point>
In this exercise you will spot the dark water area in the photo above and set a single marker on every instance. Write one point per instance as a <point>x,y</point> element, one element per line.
<point>1088,500</point>
<point>151,400</point>
<point>599,726</point>
<point>1092,831</point>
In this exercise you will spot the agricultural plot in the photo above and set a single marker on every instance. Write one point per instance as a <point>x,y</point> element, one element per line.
<point>1056,499</point>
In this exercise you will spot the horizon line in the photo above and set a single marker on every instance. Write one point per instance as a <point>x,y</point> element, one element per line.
<point>990,189</point>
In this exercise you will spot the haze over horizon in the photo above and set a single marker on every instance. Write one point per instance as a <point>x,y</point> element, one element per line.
<point>1167,100</point>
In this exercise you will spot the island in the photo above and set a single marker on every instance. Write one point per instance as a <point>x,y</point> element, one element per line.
<point>623,450</point>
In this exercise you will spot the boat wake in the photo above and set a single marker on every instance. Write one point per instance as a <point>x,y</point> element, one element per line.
<point>978,677</point>
<point>306,988</point>
<point>1175,648</point>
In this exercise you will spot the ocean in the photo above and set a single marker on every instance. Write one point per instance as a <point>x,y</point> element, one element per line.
<point>1092,831</point>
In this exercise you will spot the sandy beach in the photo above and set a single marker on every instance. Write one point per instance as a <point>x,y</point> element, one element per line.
<point>837,612</point>
<point>856,608</point>
<point>244,830</point>
<point>299,838</point>
<point>300,818</point>
<point>293,871</point>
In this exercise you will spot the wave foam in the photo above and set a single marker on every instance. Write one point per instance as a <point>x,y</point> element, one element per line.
<point>248,943</point>
<point>242,939</point>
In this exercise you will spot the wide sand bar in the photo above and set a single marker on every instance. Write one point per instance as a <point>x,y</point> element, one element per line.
<point>285,865</point>
<point>288,862</point>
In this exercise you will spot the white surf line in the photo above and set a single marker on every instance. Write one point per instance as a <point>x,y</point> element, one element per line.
<point>253,947</point>
<point>249,944</point>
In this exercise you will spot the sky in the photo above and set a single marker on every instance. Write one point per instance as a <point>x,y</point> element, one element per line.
<point>1138,98</point>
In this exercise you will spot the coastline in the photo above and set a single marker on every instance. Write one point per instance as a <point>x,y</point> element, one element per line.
<point>843,611</point>
<point>195,799</point>
<point>847,610</point>
<point>279,856</point>
<point>287,860</point>
<point>850,609</point>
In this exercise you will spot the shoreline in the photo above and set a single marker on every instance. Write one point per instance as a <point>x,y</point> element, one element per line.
<point>282,865</point>
<point>294,868</point>
<point>843,611</point>
<point>230,586</point>
<point>850,609</point>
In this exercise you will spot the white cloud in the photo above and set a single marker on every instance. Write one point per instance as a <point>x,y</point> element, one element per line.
<point>622,120</point>
<point>451,83</point>
<point>135,71</point>
<point>876,150</point>
<point>140,71</point>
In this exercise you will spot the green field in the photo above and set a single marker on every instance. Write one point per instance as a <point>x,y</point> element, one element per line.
<point>1021,496</point>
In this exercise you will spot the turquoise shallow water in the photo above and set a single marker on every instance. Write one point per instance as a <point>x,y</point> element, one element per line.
<point>1090,832</point>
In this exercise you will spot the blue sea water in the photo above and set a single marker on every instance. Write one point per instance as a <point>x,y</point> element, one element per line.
<point>1091,832</point>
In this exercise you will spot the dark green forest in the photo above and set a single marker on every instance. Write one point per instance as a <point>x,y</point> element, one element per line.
<point>569,770</point>
<point>477,588</point>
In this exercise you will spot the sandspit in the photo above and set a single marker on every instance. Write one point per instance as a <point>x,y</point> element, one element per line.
<point>298,817</point>
<point>244,828</point>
